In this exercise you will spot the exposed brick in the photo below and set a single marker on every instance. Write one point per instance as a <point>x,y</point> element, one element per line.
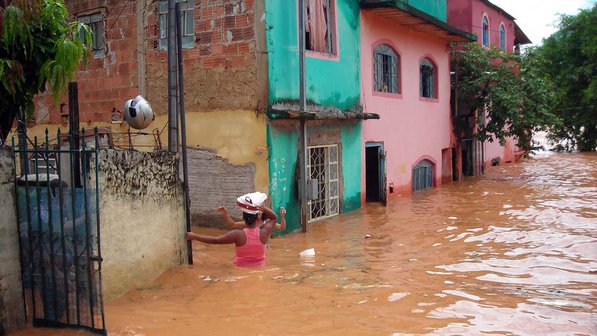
<point>229,9</point>
<point>244,48</point>
<point>231,49</point>
<point>229,22</point>
<point>241,21</point>
<point>205,38</point>
<point>214,62</point>
<point>217,50</point>
<point>204,51</point>
<point>248,33</point>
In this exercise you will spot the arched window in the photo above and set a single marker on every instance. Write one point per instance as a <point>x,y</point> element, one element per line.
<point>386,69</point>
<point>428,74</point>
<point>423,175</point>
<point>485,25</point>
<point>502,37</point>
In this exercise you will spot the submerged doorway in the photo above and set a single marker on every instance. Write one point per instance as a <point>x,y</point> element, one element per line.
<point>375,174</point>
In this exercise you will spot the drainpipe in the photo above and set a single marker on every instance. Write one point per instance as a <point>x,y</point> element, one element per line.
<point>303,108</point>
<point>172,87</point>
<point>183,132</point>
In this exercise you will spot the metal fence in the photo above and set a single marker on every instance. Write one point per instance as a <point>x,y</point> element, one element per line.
<point>57,200</point>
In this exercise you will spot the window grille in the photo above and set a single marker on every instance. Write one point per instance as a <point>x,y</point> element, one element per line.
<point>502,37</point>
<point>386,69</point>
<point>422,176</point>
<point>323,167</point>
<point>427,79</point>
<point>485,25</point>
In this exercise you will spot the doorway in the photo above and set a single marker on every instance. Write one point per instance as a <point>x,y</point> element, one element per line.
<point>375,175</point>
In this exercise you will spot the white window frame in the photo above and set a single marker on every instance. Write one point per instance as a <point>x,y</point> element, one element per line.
<point>187,8</point>
<point>329,206</point>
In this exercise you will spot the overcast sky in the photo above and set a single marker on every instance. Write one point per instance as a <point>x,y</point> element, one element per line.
<point>537,18</point>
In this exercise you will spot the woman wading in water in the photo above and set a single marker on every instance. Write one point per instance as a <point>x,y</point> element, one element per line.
<point>250,241</point>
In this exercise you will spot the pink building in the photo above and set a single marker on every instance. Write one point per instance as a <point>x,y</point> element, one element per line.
<point>405,78</point>
<point>493,28</point>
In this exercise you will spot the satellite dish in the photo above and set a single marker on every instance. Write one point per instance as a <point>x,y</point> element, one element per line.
<point>138,113</point>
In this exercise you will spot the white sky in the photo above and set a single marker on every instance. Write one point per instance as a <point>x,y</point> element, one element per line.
<point>537,18</point>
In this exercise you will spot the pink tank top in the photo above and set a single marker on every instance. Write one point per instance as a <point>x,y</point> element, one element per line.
<point>253,252</point>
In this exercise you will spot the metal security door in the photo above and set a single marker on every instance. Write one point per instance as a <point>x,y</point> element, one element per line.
<point>59,234</point>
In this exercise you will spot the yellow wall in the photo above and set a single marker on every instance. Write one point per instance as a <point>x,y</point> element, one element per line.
<point>236,135</point>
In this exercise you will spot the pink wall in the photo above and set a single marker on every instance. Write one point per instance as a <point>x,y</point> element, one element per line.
<point>410,127</point>
<point>468,15</point>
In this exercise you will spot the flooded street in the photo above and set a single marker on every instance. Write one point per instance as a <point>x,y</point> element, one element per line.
<point>513,252</point>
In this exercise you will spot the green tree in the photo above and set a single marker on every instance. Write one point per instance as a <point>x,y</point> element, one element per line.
<point>38,47</point>
<point>508,93</point>
<point>571,63</point>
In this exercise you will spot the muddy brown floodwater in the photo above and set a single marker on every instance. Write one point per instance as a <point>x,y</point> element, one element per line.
<point>513,252</point>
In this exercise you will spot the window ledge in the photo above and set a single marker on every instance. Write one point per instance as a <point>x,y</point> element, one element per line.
<point>322,55</point>
<point>387,95</point>
<point>428,100</point>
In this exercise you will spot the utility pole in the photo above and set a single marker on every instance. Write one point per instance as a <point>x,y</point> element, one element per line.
<point>172,78</point>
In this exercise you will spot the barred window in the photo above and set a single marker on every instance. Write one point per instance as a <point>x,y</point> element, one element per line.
<point>386,69</point>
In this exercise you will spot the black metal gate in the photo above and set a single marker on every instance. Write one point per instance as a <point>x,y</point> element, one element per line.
<point>57,202</point>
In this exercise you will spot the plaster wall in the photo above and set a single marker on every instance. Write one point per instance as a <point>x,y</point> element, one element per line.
<point>436,8</point>
<point>12,314</point>
<point>468,15</point>
<point>412,128</point>
<point>284,137</point>
<point>332,80</point>
<point>141,218</point>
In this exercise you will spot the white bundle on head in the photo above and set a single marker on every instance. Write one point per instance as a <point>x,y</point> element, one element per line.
<point>250,203</point>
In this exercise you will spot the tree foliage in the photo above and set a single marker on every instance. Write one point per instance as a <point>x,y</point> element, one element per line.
<point>38,46</point>
<point>506,91</point>
<point>571,62</point>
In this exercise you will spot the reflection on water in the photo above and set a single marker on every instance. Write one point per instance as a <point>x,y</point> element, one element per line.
<point>511,253</point>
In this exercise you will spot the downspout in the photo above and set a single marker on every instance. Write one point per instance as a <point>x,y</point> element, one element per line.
<point>172,87</point>
<point>303,108</point>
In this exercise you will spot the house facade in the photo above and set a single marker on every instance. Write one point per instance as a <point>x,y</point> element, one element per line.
<point>332,117</point>
<point>225,75</point>
<point>494,28</point>
<point>405,76</point>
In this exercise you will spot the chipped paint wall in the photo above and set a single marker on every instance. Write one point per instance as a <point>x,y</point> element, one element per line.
<point>12,315</point>
<point>142,218</point>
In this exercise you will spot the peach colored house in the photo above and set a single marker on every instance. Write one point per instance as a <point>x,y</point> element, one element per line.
<point>494,28</point>
<point>405,78</point>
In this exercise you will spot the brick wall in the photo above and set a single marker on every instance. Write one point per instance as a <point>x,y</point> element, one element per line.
<point>220,68</point>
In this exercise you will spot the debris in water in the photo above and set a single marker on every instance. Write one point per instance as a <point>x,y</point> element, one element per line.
<point>397,296</point>
<point>308,253</point>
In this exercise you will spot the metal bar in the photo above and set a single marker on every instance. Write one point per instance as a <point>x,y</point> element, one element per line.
<point>75,250</point>
<point>51,228</point>
<point>73,117</point>
<point>183,130</point>
<point>97,223</point>
<point>301,47</point>
<point>40,231</point>
<point>29,233</point>
<point>62,219</point>
<point>85,172</point>
<point>172,89</point>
